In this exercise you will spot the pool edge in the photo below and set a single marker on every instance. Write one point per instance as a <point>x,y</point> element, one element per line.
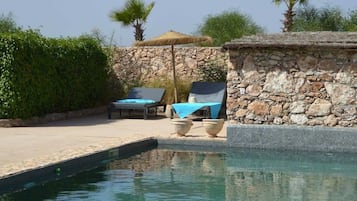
<point>299,138</point>
<point>41,174</point>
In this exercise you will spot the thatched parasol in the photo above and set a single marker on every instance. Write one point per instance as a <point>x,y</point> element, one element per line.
<point>173,38</point>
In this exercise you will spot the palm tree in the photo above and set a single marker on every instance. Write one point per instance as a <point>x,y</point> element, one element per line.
<point>289,14</point>
<point>134,13</point>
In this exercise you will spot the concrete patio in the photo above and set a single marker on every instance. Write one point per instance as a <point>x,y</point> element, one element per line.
<point>26,148</point>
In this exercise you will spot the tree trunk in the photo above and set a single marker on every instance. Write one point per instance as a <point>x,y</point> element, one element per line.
<point>139,32</point>
<point>288,22</point>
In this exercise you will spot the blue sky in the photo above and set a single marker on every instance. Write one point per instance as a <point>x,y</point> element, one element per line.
<point>62,18</point>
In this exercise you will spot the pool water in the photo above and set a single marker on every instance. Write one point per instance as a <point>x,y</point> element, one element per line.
<point>184,174</point>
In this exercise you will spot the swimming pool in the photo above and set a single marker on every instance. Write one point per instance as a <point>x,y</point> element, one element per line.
<point>191,173</point>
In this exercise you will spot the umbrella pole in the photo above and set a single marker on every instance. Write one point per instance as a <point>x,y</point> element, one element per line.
<point>174,71</point>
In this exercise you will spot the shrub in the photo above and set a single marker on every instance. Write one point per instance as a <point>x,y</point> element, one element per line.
<point>212,72</point>
<point>183,88</point>
<point>40,75</point>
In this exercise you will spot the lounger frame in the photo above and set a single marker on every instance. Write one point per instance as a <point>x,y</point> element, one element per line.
<point>155,94</point>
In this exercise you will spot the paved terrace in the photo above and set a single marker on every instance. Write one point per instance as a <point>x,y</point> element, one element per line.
<point>26,148</point>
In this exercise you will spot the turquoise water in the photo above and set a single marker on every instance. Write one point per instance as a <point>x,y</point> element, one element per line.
<point>171,174</point>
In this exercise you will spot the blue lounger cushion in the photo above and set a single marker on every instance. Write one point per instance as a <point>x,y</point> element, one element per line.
<point>185,109</point>
<point>208,97</point>
<point>131,100</point>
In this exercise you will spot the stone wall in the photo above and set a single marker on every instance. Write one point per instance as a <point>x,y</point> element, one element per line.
<point>146,63</point>
<point>301,82</point>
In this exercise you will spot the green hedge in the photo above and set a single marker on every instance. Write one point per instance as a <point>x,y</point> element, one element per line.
<point>41,75</point>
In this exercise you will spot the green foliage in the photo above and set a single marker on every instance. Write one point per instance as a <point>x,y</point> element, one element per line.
<point>5,198</point>
<point>213,72</point>
<point>350,23</point>
<point>134,13</point>
<point>183,88</point>
<point>40,75</point>
<point>307,19</point>
<point>331,19</point>
<point>227,26</point>
<point>8,25</point>
<point>102,39</point>
<point>290,2</point>
<point>116,88</point>
<point>127,85</point>
<point>290,12</point>
<point>310,18</point>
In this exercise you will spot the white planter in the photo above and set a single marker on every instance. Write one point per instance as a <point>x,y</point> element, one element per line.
<point>168,111</point>
<point>182,126</point>
<point>213,126</point>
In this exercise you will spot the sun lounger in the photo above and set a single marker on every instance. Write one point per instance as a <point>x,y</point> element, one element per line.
<point>139,98</point>
<point>204,96</point>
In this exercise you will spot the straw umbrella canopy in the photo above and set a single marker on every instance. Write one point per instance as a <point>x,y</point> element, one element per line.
<point>173,38</point>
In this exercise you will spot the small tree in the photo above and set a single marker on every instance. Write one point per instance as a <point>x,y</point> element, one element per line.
<point>289,14</point>
<point>134,13</point>
<point>8,24</point>
<point>350,23</point>
<point>310,18</point>
<point>227,26</point>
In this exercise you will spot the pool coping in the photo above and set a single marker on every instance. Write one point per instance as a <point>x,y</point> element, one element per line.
<point>292,137</point>
<point>39,175</point>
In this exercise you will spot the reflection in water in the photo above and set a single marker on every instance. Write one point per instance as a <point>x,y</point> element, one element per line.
<point>181,176</point>
<point>165,174</point>
<point>286,186</point>
<point>257,175</point>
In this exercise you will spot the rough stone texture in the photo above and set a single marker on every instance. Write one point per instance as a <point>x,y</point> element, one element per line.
<point>297,107</point>
<point>278,82</point>
<point>319,108</point>
<point>147,63</point>
<point>276,110</point>
<point>312,76</point>
<point>298,119</point>
<point>259,108</point>
<point>254,89</point>
<point>340,93</point>
<point>331,120</point>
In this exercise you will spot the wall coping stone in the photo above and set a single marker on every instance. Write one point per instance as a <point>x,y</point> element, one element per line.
<point>324,39</point>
